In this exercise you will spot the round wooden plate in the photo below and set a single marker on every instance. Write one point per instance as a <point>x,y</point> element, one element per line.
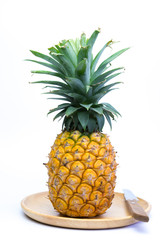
<point>39,208</point>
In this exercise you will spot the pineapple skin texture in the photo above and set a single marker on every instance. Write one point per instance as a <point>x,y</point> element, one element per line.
<point>82,174</point>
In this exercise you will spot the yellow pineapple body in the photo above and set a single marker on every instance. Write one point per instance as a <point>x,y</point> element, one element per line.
<point>81,171</point>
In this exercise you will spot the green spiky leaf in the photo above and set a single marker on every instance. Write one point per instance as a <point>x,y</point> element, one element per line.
<point>100,120</point>
<point>53,83</point>
<point>68,122</point>
<point>87,106</point>
<point>101,84</point>
<point>96,59</point>
<point>83,72</point>
<point>71,110</point>
<point>103,76</point>
<point>83,118</point>
<point>76,84</point>
<point>81,68</point>
<point>83,53</point>
<point>110,108</point>
<point>93,38</point>
<point>60,114</point>
<point>83,40</point>
<point>108,118</point>
<point>59,68</point>
<point>106,88</point>
<point>97,109</point>
<point>48,73</point>
<point>106,62</point>
<point>91,125</point>
<point>61,106</point>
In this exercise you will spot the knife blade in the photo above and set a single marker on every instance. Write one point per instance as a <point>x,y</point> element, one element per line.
<point>133,206</point>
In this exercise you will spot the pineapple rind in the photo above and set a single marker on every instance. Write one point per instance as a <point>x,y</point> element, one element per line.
<point>81,173</point>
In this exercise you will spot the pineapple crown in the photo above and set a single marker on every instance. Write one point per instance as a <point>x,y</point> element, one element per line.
<point>81,84</point>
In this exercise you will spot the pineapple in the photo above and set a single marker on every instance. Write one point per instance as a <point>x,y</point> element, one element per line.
<point>82,165</point>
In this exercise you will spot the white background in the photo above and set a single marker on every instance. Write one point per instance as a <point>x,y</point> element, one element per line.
<point>26,134</point>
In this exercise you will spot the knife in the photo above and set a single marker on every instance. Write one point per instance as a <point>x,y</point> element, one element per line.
<point>133,206</point>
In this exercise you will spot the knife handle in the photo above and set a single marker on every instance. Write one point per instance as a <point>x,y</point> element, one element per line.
<point>137,211</point>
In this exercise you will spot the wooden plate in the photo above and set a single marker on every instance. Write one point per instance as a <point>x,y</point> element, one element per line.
<point>39,208</point>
